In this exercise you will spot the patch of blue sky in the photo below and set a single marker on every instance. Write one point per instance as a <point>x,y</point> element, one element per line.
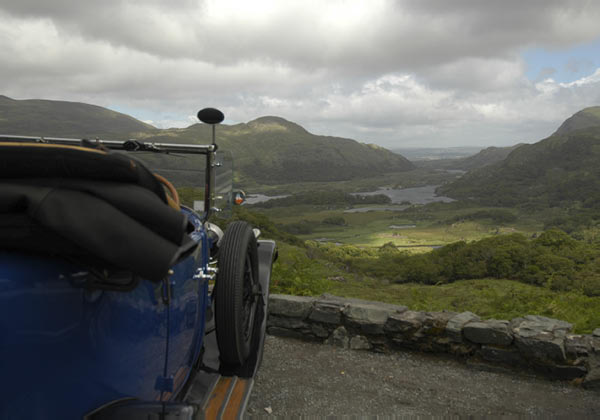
<point>564,65</point>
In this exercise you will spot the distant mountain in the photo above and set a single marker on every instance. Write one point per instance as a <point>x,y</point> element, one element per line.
<point>266,150</point>
<point>38,117</point>
<point>559,170</point>
<point>485,157</point>
<point>586,118</point>
<point>273,150</point>
<point>418,154</point>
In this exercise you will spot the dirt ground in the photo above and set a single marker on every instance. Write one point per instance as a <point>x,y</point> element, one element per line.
<point>310,379</point>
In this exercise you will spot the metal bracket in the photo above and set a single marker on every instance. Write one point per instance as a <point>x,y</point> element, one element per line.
<point>208,273</point>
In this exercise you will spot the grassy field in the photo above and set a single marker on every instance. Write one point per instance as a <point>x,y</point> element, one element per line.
<point>413,229</point>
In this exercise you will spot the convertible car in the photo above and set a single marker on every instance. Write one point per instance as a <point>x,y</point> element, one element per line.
<point>118,299</point>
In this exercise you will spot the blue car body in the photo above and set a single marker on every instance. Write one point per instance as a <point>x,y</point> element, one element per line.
<point>67,350</point>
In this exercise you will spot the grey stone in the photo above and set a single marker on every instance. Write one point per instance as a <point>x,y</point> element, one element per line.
<point>542,338</point>
<point>596,332</point>
<point>339,337</point>
<point>577,345</point>
<point>462,349</point>
<point>595,344</point>
<point>358,342</point>
<point>283,322</point>
<point>501,355</point>
<point>557,326</point>
<point>455,325</point>
<point>435,323</point>
<point>319,330</point>
<point>431,335</point>
<point>329,312</point>
<point>290,306</point>
<point>344,301</point>
<point>370,318</point>
<point>405,322</point>
<point>515,322</point>
<point>491,331</point>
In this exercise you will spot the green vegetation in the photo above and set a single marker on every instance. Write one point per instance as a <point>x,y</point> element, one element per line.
<point>414,228</point>
<point>473,276</point>
<point>494,215</point>
<point>553,260</point>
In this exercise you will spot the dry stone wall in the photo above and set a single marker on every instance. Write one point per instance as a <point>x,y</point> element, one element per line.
<point>531,342</point>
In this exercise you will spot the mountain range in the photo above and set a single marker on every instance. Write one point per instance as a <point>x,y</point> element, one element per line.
<point>266,150</point>
<point>560,170</point>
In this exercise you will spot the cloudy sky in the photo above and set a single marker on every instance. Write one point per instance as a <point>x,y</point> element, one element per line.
<point>397,73</point>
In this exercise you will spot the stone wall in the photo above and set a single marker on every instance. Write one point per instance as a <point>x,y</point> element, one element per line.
<point>533,342</point>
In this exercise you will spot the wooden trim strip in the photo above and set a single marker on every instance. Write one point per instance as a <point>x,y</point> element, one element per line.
<point>236,403</point>
<point>218,398</point>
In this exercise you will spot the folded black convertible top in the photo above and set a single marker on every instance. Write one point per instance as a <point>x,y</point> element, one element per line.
<point>88,205</point>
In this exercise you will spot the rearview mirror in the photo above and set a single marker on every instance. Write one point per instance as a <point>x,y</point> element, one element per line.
<point>239,197</point>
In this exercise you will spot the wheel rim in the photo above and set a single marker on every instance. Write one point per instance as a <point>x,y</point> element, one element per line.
<point>249,299</point>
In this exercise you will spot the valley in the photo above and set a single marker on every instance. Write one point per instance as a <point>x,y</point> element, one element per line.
<point>499,231</point>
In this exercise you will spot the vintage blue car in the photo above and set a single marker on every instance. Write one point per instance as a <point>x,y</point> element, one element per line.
<point>105,308</point>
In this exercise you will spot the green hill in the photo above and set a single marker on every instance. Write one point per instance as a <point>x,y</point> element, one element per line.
<point>38,117</point>
<point>272,150</point>
<point>586,118</point>
<point>560,170</point>
<point>485,157</point>
<point>268,150</point>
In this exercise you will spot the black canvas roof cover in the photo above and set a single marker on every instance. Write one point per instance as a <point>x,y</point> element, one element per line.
<point>91,205</point>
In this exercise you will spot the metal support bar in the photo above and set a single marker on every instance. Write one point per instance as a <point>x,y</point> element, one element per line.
<point>118,144</point>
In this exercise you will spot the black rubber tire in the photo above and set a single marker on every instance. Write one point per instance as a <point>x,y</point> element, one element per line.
<point>236,293</point>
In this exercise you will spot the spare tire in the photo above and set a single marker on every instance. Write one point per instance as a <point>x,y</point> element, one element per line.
<point>237,292</point>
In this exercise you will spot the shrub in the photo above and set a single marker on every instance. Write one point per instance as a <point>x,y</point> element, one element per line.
<point>334,220</point>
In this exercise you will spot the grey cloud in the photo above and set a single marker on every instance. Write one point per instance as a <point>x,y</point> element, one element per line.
<point>409,36</point>
<point>411,72</point>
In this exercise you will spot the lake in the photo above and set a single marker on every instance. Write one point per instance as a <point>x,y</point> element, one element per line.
<point>417,195</point>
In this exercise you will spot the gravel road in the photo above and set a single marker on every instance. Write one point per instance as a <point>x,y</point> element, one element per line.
<point>310,379</point>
